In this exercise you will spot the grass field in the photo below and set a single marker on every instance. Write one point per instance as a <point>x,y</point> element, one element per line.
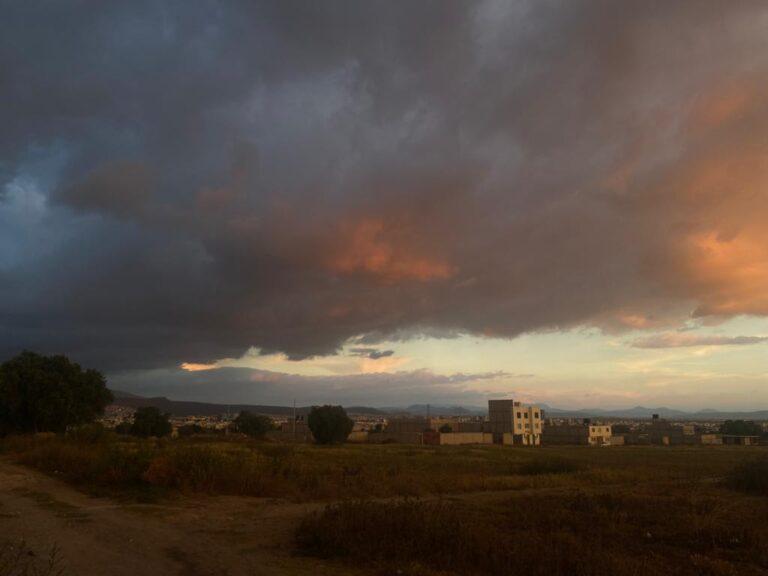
<point>462,510</point>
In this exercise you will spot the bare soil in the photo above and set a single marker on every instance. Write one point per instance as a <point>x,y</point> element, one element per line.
<point>199,536</point>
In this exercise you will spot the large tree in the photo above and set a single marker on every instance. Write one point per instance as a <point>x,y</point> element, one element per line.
<point>741,428</point>
<point>329,424</point>
<point>48,394</point>
<point>254,425</point>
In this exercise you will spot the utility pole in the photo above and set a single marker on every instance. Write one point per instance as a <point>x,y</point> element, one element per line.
<point>294,419</point>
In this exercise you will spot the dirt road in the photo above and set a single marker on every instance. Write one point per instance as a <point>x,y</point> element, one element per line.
<point>201,536</point>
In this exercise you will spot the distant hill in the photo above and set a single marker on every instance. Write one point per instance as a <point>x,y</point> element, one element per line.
<point>119,394</point>
<point>641,412</point>
<point>364,410</point>
<point>185,408</point>
<point>434,410</point>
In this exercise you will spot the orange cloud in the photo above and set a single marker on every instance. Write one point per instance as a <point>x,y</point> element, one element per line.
<point>192,367</point>
<point>718,202</point>
<point>724,105</point>
<point>732,272</point>
<point>368,247</point>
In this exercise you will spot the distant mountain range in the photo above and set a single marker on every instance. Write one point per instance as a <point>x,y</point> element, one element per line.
<point>643,412</point>
<point>185,408</point>
<point>435,410</point>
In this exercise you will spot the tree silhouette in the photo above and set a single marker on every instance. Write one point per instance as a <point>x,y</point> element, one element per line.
<point>741,428</point>
<point>48,394</point>
<point>149,421</point>
<point>329,424</point>
<point>254,425</point>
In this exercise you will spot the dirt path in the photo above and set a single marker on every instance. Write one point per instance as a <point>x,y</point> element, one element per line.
<point>203,536</point>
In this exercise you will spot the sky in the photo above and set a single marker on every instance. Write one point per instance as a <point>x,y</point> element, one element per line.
<point>388,203</point>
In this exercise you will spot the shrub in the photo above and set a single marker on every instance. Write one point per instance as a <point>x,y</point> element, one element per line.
<point>190,430</point>
<point>124,428</point>
<point>88,433</point>
<point>149,421</point>
<point>329,424</point>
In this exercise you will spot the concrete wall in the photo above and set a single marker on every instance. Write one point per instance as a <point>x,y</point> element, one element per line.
<point>566,434</point>
<point>405,425</point>
<point>458,438</point>
<point>711,439</point>
<point>396,437</point>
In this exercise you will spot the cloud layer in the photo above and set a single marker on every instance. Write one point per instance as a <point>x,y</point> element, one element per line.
<point>682,340</point>
<point>182,183</point>
<point>238,385</point>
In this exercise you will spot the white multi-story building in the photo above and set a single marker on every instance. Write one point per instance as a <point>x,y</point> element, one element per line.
<point>513,422</point>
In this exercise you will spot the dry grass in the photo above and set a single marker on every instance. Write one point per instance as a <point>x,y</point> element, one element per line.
<point>579,534</point>
<point>17,559</point>
<point>573,511</point>
<point>303,472</point>
<point>750,476</point>
<point>246,467</point>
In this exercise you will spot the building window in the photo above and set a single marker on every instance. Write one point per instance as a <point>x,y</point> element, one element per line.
<point>526,415</point>
<point>536,415</point>
<point>518,415</point>
<point>519,426</point>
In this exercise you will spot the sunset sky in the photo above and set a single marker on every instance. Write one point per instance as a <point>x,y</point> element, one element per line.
<point>391,202</point>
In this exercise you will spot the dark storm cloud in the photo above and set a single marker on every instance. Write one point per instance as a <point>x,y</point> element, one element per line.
<point>181,181</point>
<point>372,353</point>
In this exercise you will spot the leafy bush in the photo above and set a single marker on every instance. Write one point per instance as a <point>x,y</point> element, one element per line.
<point>329,424</point>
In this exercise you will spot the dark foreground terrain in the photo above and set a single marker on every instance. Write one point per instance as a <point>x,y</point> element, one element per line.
<point>181,507</point>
